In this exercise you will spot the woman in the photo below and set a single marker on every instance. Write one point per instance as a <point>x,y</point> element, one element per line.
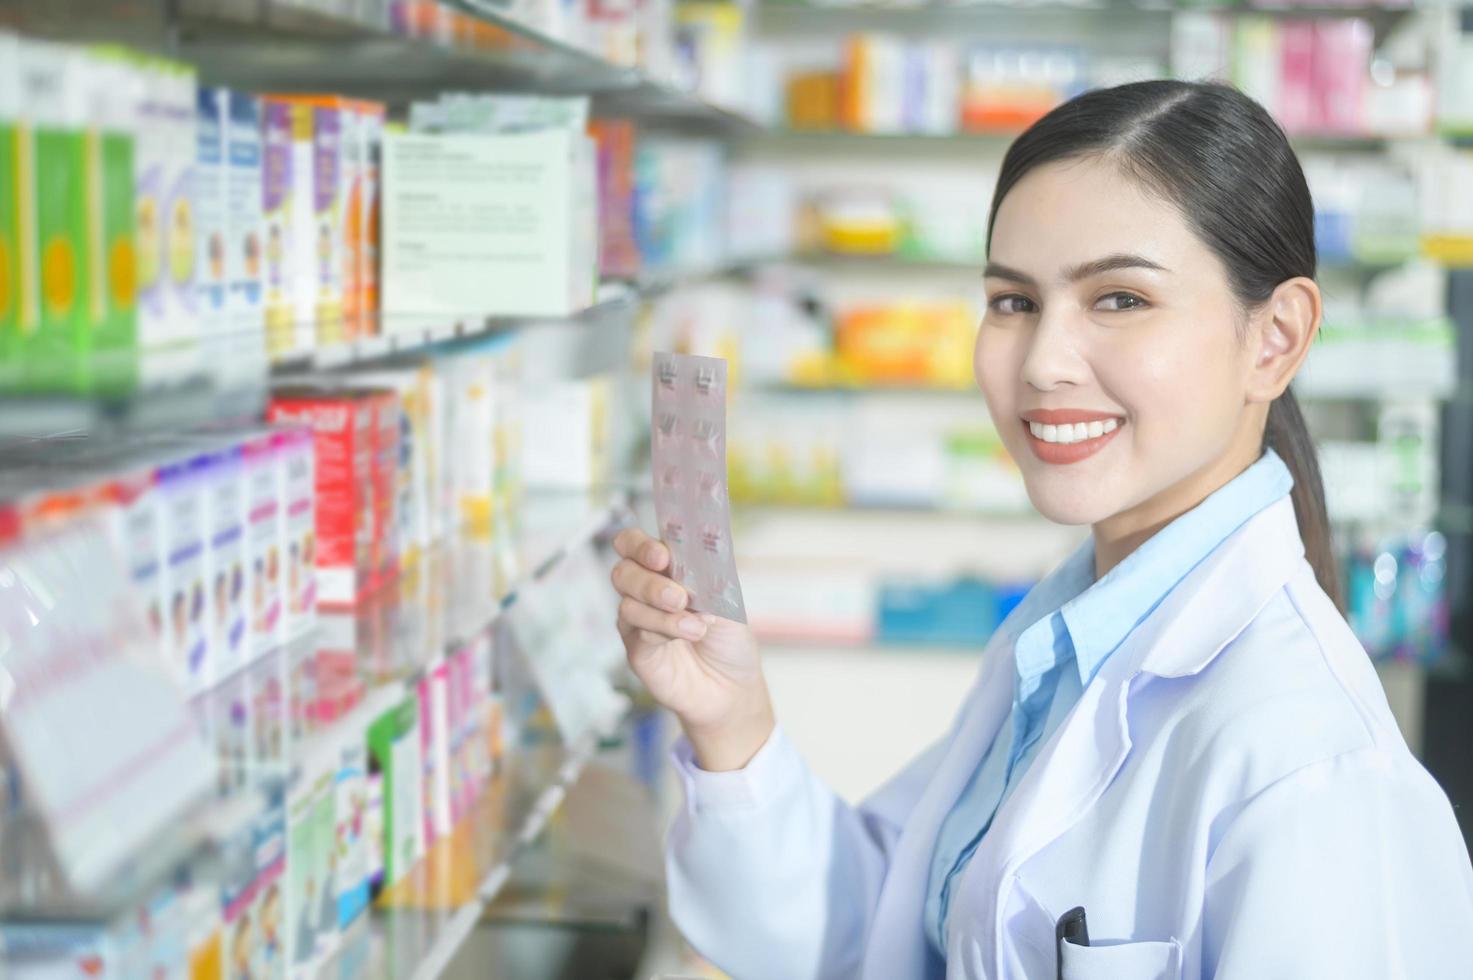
<point>1176,730</point>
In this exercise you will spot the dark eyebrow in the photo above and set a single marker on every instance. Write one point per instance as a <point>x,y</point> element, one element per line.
<point>1110,263</point>
<point>996,270</point>
<point>1120,260</point>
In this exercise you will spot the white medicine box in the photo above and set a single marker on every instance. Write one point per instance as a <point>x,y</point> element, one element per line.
<point>477,226</point>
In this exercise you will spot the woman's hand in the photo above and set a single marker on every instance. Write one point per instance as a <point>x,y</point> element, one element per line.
<point>703,668</point>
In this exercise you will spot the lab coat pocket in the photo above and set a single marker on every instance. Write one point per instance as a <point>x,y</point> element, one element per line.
<point>1122,961</point>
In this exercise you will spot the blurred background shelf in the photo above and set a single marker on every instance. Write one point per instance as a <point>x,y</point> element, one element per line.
<point>1134,24</point>
<point>278,45</point>
<point>835,142</point>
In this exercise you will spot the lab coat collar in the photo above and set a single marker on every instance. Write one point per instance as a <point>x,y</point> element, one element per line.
<point>1101,617</point>
<point>1202,615</point>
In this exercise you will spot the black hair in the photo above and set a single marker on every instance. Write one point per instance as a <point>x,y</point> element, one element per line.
<point>1219,157</point>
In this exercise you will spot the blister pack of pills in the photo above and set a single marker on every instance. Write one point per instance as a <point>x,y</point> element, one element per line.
<point>688,442</point>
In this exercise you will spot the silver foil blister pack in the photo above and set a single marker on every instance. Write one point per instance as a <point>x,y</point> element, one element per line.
<point>688,447</point>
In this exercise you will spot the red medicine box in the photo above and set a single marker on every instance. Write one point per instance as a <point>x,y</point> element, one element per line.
<point>343,438</point>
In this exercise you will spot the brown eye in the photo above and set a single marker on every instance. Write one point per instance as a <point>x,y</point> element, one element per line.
<point>1120,302</point>
<point>1010,303</point>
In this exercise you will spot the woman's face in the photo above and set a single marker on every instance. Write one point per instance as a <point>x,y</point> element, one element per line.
<point>1104,307</point>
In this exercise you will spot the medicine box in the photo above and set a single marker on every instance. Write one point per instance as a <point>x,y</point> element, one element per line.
<point>343,429</point>
<point>244,224</point>
<point>212,106</point>
<point>478,226</point>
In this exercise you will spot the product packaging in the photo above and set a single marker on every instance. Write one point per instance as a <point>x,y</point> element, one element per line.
<point>689,463</point>
<point>279,200</point>
<point>266,689</point>
<point>434,740</point>
<point>165,220</point>
<point>131,504</point>
<point>350,216</point>
<point>471,414</point>
<point>239,931</point>
<point>316,227</point>
<point>394,756</point>
<point>579,411</point>
<point>224,496</point>
<point>231,728</point>
<point>297,492</point>
<point>264,529</point>
<point>413,391</point>
<point>343,430</point>
<point>325,860</point>
<point>303,882</point>
<point>244,224</point>
<point>42,951</point>
<point>269,836</point>
<point>110,355</point>
<point>349,840</point>
<point>212,108</point>
<point>52,92</point>
<point>371,116</point>
<point>182,530</point>
<point>534,251</point>
<point>17,292</point>
<point>387,464</point>
<point>618,253</point>
<point>202,937</point>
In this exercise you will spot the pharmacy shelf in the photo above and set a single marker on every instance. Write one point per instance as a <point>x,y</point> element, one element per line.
<point>842,142</point>
<point>320,45</point>
<point>25,417</point>
<point>271,44</point>
<point>410,335</point>
<point>421,922</point>
<point>468,584</point>
<point>1132,19</point>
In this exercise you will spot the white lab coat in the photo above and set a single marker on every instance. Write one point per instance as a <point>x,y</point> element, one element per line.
<point>1229,799</point>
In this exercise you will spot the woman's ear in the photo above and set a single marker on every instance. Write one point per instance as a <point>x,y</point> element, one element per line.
<point>1283,330</point>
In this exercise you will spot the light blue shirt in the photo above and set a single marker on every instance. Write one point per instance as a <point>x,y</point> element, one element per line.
<point>1063,632</point>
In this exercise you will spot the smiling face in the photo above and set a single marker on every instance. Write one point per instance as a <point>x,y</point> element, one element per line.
<point>1111,354</point>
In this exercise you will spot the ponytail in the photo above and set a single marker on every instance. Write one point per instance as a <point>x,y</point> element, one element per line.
<point>1288,435</point>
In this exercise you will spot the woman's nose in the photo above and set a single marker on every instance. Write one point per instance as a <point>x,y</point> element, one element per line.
<point>1054,357</point>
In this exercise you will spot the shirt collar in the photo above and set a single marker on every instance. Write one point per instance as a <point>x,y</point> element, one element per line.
<point>1100,617</point>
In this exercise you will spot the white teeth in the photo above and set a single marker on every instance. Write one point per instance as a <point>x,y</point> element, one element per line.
<point>1078,432</point>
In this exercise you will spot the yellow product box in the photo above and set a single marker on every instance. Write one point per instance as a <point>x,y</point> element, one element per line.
<point>111,166</point>
<point>54,152</point>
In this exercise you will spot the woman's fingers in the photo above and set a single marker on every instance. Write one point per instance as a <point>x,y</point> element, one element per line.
<point>635,581</point>
<point>634,636</point>
<point>668,625</point>
<point>634,544</point>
